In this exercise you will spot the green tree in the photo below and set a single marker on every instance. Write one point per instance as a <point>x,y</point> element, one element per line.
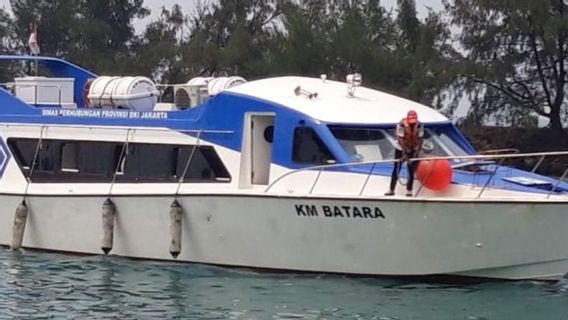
<point>54,21</point>
<point>515,56</point>
<point>6,45</point>
<point>157,51</point>
<point>408,22</point>
<point>96,34</point>
<point>103,34</point>
<point>426,57</point>
<point>229,37</point>
<point>300,46</point>
<point>338,37</point>
<point>5,30</point>
<point>402,55</point>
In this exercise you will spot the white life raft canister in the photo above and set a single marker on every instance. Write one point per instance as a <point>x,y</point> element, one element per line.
<point>216,85</point>
<point>137,93</point>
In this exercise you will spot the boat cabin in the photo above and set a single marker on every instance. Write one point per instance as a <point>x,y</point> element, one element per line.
<point>243,133</point>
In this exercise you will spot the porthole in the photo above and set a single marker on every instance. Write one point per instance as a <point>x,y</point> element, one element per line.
<point>269,134</point>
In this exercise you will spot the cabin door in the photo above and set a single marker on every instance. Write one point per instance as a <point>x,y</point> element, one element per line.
<point>257,149</point>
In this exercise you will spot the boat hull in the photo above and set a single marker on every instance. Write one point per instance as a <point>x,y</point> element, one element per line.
<point>395,237</point>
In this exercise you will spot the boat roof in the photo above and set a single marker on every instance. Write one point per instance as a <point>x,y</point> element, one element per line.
<point>58,67</point>
<point>333,104</point>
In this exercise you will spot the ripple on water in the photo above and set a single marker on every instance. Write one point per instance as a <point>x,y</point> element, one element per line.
<point>52,286</point>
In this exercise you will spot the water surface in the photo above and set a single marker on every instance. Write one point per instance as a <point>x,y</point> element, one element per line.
<point>37,285</point>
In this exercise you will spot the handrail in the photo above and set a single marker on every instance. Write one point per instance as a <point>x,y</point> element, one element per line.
<point>119,128</point>
<point>498,151</point>
<point>169,85</point>
<point>327,166</point>
<point>502,157</point>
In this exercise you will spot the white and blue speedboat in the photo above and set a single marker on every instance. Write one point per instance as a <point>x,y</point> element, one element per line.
<point>281,173</point>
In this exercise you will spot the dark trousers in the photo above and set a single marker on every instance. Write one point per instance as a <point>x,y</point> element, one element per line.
<point>411,168</point>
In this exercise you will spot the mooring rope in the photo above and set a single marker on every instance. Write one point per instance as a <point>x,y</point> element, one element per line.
<point>186,168</point>
<point>121,159</point>
<point>34,161</point>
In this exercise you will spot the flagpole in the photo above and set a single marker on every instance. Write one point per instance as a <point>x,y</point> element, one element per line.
<point>33,43</point>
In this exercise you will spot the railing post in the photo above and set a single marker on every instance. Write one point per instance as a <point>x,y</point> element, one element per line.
<point>367,178</point>
<point>557,183</point>
<point>316,181</point>
<point>538,164</point>
<point>490,178</point>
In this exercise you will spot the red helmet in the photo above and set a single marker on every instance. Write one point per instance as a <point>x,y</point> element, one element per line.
<point>412,116</point>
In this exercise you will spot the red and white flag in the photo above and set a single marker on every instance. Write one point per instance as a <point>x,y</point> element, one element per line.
<point>32,42</point>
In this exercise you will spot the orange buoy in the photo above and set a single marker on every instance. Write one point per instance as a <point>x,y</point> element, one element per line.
<point>435,175</point>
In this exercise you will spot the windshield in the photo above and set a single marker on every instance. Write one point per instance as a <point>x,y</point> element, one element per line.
<point>365,144</point>
<point>437,142</point>
<point>371,144</point>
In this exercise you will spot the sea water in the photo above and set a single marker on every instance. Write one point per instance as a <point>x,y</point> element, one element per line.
<point>36,285</point>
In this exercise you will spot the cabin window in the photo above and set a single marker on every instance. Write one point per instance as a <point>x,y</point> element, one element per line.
<point>365,144</point>
<point>205,164</point>
<point>269,134</point>
<point>215,164</point>
<point>94,161</point>
<point>46,157</point>
<point>309,148</point>
<point>24,151</point>
<point>148,162</point>
<point>46,161</point>
<point>70,157</point>
<point>120,153</point>
<point>439,143</point>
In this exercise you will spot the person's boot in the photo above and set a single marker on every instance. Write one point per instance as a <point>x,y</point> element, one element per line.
<point>389,193</point>
<point>409,193</point>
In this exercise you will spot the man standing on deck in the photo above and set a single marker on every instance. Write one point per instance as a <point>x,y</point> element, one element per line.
<point>409,134</point>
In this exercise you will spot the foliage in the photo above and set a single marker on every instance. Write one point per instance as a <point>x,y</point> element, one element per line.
<point>86,31</point>
<point>516,57</point>
<point>6,32</point>
<point>394,49</point>
<point>157,52</point>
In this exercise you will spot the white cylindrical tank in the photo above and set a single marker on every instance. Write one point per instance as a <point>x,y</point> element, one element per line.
<point>219,84</point>
<point>200,81</point>
<point>138,93</point>
<point>216,85</point>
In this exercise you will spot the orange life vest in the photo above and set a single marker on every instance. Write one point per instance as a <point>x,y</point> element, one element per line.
<point>412,139</point>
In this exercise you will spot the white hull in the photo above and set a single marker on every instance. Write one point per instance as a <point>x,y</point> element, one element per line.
<point>415,237</point>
